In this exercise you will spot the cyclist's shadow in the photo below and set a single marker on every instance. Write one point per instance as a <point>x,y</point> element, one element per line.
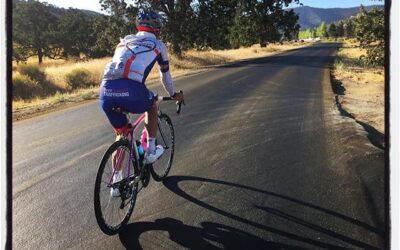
<point>191,237</point>
<point>227,237</point>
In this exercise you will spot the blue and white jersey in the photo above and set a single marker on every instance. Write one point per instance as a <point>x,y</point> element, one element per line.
<point>134,58</point>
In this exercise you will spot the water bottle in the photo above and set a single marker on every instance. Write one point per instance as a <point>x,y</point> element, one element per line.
<point>140,149</point>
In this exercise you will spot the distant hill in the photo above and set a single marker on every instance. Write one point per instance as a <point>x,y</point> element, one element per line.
<point>58,10</point>
<point>310,17</point>
<point>91,13</point>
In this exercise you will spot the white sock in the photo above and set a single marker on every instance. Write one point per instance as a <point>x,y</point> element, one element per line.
<point>117,175</point>
<point>151,145</point>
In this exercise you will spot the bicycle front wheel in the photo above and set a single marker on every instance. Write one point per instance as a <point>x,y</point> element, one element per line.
<point>113,209</point>
<point>165,138</point>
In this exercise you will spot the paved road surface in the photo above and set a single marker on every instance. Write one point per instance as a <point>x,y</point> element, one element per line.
<point>263,161</point>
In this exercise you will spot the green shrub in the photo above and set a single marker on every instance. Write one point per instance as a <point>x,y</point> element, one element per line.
<point>33,71</point>
<point>60,97</point>
<point>370,32</point>
<point>339,64</point>
<point>24,87</point>
<point>375,56</point>
<point>78,78</point>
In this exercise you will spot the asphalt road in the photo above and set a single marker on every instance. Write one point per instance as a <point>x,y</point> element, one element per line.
<point>263,161</point>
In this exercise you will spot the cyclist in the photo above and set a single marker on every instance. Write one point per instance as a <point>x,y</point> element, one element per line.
<point>123,83</point>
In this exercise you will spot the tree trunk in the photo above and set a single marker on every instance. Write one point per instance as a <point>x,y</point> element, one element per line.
<point>176,49</point>
<point>175,42</point>
<point>263,42</point>
<point>40,55</point>
<point>263,34</point>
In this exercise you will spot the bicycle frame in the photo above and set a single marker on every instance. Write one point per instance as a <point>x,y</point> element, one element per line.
<point>127,161</point>
<point>131,134</point>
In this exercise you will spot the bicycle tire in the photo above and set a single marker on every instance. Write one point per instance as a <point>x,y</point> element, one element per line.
<point>102,221</point>
<point>165,137</point>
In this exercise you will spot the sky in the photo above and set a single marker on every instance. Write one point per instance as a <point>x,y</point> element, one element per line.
<point>94,5</point>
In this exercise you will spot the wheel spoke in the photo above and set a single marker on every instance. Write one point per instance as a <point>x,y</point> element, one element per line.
<point>162,134</point>
<point>165,137</point>
<point>112,211</point>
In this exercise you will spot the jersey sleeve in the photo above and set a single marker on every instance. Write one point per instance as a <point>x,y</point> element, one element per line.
<point>163,66</point>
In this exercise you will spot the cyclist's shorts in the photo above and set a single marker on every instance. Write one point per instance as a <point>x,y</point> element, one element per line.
<point>127,94</point>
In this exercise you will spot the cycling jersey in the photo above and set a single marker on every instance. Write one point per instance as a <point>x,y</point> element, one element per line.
<point>134,58</point>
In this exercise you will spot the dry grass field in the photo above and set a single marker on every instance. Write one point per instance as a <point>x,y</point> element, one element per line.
<point>191,61</point>
<point>364,96</point>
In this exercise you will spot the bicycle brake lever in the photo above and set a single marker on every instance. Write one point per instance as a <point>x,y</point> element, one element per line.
<point>178,108</point>
<point>179,105</point>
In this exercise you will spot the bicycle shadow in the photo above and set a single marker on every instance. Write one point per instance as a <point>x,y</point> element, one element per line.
<point>172,184</point>
<point>209,236</point>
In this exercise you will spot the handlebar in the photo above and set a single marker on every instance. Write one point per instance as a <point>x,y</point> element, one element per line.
<point>178,104</point>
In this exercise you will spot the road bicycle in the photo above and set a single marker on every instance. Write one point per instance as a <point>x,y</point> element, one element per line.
<point>126,155</point>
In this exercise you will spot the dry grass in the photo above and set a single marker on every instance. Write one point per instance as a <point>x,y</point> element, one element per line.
<point>80,95</point>
<point>191,61</point>
<point>364,95</point>
<point>46,62</point>
<point>56,73</point>
<point>23,109</point>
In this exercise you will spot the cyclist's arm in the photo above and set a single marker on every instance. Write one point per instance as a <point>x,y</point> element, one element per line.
<point>165,75</point>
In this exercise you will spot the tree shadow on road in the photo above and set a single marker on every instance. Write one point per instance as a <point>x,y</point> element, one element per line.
<point>209,236</point>
<point>172,184</point>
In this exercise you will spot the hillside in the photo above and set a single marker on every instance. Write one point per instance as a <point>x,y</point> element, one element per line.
<point>310,17</point>
<point>59,10</point>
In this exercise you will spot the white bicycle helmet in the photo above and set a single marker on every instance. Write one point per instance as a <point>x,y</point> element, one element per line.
<point>148,20</point>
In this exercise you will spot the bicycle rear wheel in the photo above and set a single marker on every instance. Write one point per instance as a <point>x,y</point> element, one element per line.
<point>165,138</point>
<point>112,213</point>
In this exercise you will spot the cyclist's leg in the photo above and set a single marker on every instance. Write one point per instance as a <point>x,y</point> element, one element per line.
<point>153,152</point>
<point>111,96</point>
<point>143,101</point>
<point>135,98</point>
<point>151,127</point>
<point>113,117</point>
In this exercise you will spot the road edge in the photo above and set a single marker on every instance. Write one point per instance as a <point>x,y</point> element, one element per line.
<point>358,157</point>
